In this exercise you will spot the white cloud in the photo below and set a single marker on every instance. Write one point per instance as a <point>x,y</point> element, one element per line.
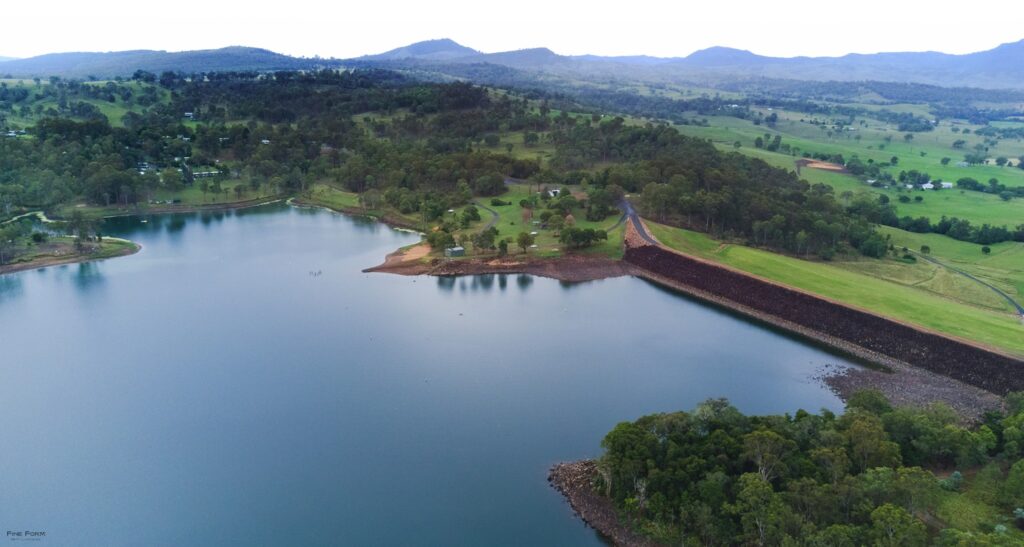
<point>346,29</point>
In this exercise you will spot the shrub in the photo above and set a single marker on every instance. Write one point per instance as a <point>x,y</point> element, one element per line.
<point>953,483</point>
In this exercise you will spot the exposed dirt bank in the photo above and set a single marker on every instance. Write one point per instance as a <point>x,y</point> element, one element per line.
<point>574,480</point>
<point>566,268</point>
<point>823,165</point>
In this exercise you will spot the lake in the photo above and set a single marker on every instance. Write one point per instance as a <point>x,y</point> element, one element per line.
<point>241,382</point>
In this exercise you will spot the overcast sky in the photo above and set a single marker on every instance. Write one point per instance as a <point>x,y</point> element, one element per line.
<point>668,28</point>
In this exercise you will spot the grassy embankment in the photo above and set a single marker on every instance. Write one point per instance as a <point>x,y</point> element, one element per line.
<point>864,284</point>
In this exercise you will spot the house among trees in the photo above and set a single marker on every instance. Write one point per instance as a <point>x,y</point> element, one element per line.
<point>946,185</point>
<point>927,186</point>
<point>451,252</point>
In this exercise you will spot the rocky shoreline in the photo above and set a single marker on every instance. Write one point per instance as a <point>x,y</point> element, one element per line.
<point>909,386</point>
<point>574,480</point>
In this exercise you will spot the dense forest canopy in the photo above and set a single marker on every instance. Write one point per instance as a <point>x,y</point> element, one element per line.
<point>867,477</point>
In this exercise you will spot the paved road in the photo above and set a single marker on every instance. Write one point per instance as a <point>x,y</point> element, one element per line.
<point>1014,303</point>
<point>629,213</point>
<point>495,217</point>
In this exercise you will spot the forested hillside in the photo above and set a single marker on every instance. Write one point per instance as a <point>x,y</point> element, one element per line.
<point>425,147</point>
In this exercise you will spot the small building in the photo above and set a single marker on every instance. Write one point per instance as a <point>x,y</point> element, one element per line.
<point>871,181</point>
<point>451,252</point>
<point>909,186</point>
<point>265,141</point>
<point>554,193</point>
<point>962,164</point>
<point>190,115</point>
<point>927,186</point>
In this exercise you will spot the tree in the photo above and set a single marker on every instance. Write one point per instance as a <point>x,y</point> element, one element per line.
<point>767,449</point>
<point>1012,491</point>
<point>893,526</point>
<point>760,509</point>
<point>462,194</point>
<point>7,239</point>
<point>869,444</point>
<point>925,249</point>
<point>986,249</point>
<point>79,227</point>
<point>871,400</point>
<point>524,240</point>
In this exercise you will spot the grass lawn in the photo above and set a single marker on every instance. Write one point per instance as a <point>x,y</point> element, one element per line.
<point>838,281</point>
<point>548,245</point>
<point>1002,267</point>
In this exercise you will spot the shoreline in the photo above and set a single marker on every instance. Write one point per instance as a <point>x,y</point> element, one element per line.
<point>903,383</point>
<point>390,220</point>
<point>202,208</point>
<point>573,481</point>
<point>47,261</point>
<point>570,268</point>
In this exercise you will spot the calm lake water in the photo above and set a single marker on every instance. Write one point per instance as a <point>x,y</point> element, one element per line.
<point>211,391</point>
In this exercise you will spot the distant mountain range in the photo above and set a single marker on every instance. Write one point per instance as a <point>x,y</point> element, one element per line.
<point>124,63</point>
<point>995,68</point>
